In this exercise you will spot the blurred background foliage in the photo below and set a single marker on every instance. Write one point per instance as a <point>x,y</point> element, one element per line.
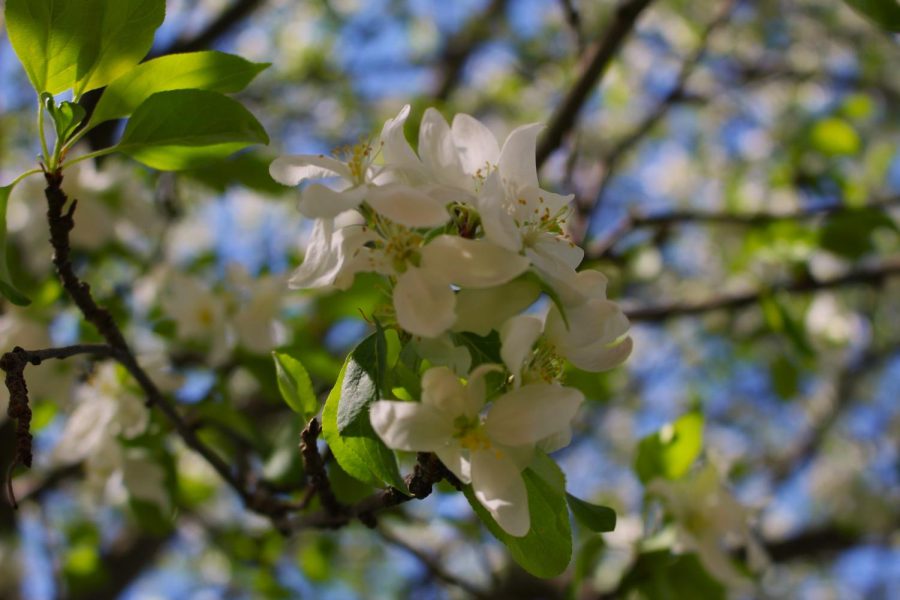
<point>737,173</point>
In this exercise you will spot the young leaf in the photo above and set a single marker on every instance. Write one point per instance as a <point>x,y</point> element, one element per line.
<point>47,36</point>
<point>66,117</point>
<point>671,451</point>
<point>362,383</point>
<point>294,384</point>
<point>209,70</point>
<point>181,129</point>
<point>593,516</point>
<point>358,451</point>
<point>545,551</point>
<point>122,34</point>
<point>6,286</point>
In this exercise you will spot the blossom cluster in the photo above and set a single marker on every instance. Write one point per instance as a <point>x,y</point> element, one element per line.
<point>468,242</point>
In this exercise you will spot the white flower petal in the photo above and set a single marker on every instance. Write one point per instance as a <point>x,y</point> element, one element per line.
<point>407,206</point>
<point>499,487</point>
<point>517,163</point>
<point>517,338</point>
<point>472,263</point>
<point>396,150</point>
<point>556,441</point>
<point>590,323</point>
<point>291,170</point>
<point>410,426</point>
<point>476,387</point>
<point>499,225</point>
<point>452,457</point>
<point>318,201</point>
<point>478,149</point>
<point>424,302</point>
<point>531,413</point>
<point>437,150</point>
<point>326,255</point>
<point>479,311</point>
<point>556,249</point>
<point>443,391</point>
<point>600,357</point>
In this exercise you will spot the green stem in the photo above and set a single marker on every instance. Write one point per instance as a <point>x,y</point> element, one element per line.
<point>90,155</point>
<point>15,181</point>
<point>44,148</point>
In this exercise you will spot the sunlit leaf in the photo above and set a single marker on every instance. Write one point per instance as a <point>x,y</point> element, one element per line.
<point>672,450</point>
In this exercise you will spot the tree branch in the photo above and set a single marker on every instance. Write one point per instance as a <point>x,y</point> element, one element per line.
<point>315,469</point>
<point>61,222</point>
<point>460,47</point>
<point>432,565</point>
<point>873,274</point>
<point>676,95</point>
<point>635,221</point>
<point>597,58</point>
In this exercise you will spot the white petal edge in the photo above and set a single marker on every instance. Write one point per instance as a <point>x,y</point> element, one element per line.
<point>499,487</point>
<point>531,413</point>
<point>291,170</point>
<point>478,148</point>
<point>517,338</point>
<point>407,206</point>
<point>410,426</point>
<point>472,263</point>
<point>424,303</point>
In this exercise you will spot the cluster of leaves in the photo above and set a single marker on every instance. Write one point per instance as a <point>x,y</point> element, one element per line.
<point>178,116</point>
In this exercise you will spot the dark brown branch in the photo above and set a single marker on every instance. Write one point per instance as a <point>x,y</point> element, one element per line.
<point>13,364</point>
<point>215,29</point>
<point>459,48</point>
<point>573,20</point>
<point>598,57</point>
<point>60,219</point>
<point>874,274</point>
<point>677,94</point>
<point>315,469</point>
<point>432,565</point>
<point>427,472</point>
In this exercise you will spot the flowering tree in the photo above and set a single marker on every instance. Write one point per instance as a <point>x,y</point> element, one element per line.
<point>489,346</point>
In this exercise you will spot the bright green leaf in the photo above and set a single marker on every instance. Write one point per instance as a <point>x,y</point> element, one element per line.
<point>835,137</point>
<point>209,70</point>
<point>294,384</point>
<point>120,35</point>
<point>181,129</point>
<point>593,516</point>
<point>67,116</point>
<point>47,36</point>
<point>358,451</point>
<point>545,551</point>
<point>6,286</point>
<point>884,13</point>
<point>363,378</point>
<point>671,451</point>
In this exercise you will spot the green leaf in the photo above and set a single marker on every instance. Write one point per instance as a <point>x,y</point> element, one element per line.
<point>849,233</point>
<point>545,551</point>
<point>66,117</point>
<point>294,384</point>
<point>47,36</point>
<point>593,516</point>
<point>661,574</point>
<point>80,44</point>
<point>358,450</point>
<point>671,451</point>
<point>209,70</point>
<point>363,379</point>
<point>181,129</point>
<point>121,34</point>
<point>6,286</point>
<point>884,13</point>
<point>835,137</point>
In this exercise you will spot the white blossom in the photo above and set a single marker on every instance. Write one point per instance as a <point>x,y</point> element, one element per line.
<point>488,450</point>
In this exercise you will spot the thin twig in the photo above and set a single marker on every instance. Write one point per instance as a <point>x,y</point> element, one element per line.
<point>431,564</point>
<point>459,48</point>
<point>597,58</point>
<point>635,220</point>
<point>315,469</point>
<point>874,275</point>
<point>677,94</point>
